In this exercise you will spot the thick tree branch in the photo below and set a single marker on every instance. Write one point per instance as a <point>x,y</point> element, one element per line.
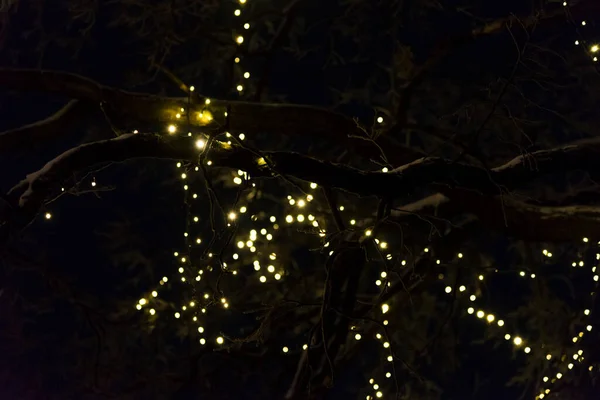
<point>436,173</point>
<point>512,217</point>
<point>243,117</point>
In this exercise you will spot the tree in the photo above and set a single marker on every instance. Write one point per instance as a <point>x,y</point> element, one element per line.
<point>354,199</point>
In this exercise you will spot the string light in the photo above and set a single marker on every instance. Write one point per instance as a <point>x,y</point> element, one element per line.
<point>248,245</point>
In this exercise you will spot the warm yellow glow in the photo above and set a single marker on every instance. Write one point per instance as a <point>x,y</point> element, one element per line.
<point>48,215</point>
<point>200,143</point>
<point>220,340</point>
<point>385,308</point>
<point>172,129</point>
<point>517,341</point>
<point>205,117</point>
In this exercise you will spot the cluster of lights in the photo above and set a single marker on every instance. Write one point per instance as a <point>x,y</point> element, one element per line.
<point>298,213</point>
<point>517,341</point>
<point>245,244</point>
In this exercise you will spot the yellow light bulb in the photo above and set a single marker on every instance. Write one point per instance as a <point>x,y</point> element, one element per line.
<point>517,341</point>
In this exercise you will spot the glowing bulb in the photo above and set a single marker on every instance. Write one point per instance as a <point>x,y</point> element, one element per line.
<point>240,39</point>
<point>200,143</point>
<point>220,340</point>
<point>517,341</point>
<point>48,215</point>
<point>171,128</point>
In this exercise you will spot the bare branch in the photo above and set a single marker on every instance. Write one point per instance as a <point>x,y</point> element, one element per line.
<point>36,134</point>
<point>512,217</point>
<point>243,117</point>
<point>436,173</point>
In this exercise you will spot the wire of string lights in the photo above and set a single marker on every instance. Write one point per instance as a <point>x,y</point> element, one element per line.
<point>248,232</point>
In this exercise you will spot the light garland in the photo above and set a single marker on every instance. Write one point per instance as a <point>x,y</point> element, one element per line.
<point>298,214</point>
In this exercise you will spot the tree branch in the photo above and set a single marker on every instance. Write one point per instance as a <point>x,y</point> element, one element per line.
<point>434,173</point>
<point>243,117</point>
<point>36,134</point>
<point>512,217</point>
